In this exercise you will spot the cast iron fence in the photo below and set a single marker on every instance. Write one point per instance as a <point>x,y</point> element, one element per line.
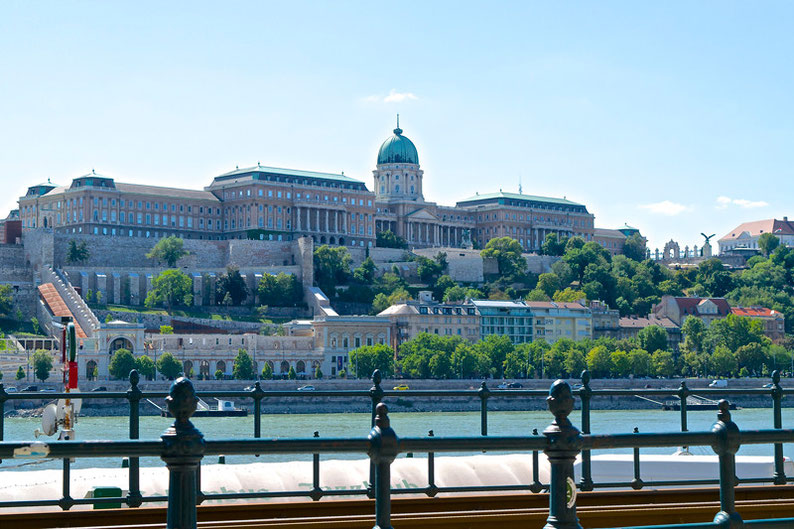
<point>182,447</point>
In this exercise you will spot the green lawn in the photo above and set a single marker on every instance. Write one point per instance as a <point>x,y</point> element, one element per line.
<point>193,313</point>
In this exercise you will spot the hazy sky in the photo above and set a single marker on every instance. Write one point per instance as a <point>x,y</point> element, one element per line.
<point>675,117</point>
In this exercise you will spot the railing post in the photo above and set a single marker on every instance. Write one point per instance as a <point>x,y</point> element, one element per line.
<point>777,397</point>
<point>316,493</point>
<point>383,449</point>
<point>257,391</point>
<point>536,486</point>
<point>586,483</point>
<point>636,483</point>
<point>484,393</point>
<point>726,444</point>
<point>683,393</point>
<point>376,394</point>
<point>134,497</point>
<point>563,444</point>
<point>432,489</point>
<point>3,398</point>
<point>183,448</point>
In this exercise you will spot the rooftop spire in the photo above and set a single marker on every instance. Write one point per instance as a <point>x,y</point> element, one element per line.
<point>398,130</point>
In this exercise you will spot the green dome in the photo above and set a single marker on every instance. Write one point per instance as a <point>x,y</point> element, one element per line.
<point>398,149</point>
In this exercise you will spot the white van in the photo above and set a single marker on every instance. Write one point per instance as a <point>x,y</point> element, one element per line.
<point>721,383</point>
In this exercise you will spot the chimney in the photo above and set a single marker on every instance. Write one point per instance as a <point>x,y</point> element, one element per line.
<point>785,219</point>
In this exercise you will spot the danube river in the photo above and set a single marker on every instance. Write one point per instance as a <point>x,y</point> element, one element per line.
<point>405,424</point>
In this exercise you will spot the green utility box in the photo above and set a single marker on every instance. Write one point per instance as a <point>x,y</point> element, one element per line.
<point>107,492</point>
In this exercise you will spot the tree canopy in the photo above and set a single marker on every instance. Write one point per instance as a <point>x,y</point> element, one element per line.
<point>507,252</point>
<point>168,250</point>
<point>170,288</point>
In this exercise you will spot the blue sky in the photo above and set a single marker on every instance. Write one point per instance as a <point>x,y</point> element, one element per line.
<point>675,117</point>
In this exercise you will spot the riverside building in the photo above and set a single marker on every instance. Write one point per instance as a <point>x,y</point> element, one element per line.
<point>268,203</point>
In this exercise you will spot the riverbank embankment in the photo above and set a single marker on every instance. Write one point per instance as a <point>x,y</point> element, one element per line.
<point>499,399</point>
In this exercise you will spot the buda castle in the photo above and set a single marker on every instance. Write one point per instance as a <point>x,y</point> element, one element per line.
<point>268,203</point>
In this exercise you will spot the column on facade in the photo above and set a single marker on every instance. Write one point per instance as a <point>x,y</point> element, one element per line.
<point>317,220</point>
<point>336,221</point>
<point>298,218</point>
<point>327,224</point>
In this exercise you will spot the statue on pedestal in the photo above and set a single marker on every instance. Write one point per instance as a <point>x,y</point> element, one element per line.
<point>706,251</point>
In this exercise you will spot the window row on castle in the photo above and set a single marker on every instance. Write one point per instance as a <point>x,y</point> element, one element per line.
<point>131,204</point>
<point>556,221</point>
<point>270,193</point>
<point>346,341</point>
<point>316,182</point>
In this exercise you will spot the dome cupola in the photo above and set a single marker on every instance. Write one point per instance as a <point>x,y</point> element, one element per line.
<point>398,149</point>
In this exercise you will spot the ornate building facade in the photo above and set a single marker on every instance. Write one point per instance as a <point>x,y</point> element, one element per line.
<point>269,203</point>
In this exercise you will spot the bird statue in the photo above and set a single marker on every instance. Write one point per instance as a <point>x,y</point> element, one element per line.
<point>707,237</point>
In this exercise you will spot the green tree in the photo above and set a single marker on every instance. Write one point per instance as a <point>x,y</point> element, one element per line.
<point>34,322</point>
<point>6,300</point>
<point>77,253</point>
<point>387,239</point>
<point>694,331</point>
<point>243,366</point>
<point>42,364</point>
<point>552,245</point>
<point>170,288</point>
<point>768,243</point>
<point>455,293</point>
<point>549,283</point>
<point>440,366</point>
<point>121,363</point>
<point>621,363</point>
<point>495,348</point>
<point>318,373</point>
<point>516,364</point>
<point>723,361</point>
<point>218,374</point>
<point>734,331</point>
<point>267,372</point>
<point>599,361</point>
<point>427,269</point>
<point>663,363</point>
<point>652,338</point>
<point>366,272</point>
<point>232,284</point>
<point>168,250</point>
<point>331,267</point>
<point>291,373</point>
<point>145,367</point>
<point>569,295</point>
<point>20,373</point>
<point>537,295</point>
<point>367,358</point>
<point>166,329</point>
<point>168,366</point>
<point>443,284</point>
<point>752,357</point>
<point>575,361</point>
<point>640,362</point>
<point>507,252</point>
<point>634,247</point>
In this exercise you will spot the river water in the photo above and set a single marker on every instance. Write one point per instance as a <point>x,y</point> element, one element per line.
<point>405,424</point>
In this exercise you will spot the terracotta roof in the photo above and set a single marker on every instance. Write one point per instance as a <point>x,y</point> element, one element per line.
<point>690,305</point>
<point>758,227</point>
<point>57,306</point>
<point>756,312</point>
<point>634,322</point>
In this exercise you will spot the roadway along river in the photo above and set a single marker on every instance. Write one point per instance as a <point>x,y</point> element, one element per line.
<point>405,424</point>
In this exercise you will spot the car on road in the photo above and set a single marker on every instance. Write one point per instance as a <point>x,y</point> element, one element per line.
<point>514,385</point>
<point>719,383</point>
<point>48,390</point>
<point>307,387</point>
<point>503,385</point>
<point>100,388</point>
<point>30,389</point>
<point>12,389</point>
<point>768,386</point>
<point>401,387</point>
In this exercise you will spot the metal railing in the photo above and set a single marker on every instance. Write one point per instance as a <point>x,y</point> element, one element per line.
<point>483,394</point>
<point>182,447</point>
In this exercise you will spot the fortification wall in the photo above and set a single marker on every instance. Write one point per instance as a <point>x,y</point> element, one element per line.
<point>130,252</point>
<point>540,264</point>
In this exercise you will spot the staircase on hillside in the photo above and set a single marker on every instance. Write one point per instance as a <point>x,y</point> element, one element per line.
<point>82,313</point>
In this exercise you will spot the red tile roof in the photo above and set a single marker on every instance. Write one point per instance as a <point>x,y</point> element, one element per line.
<point>690,305</point>
<point>57,306</point>
<point>756,312</point>
<point>757,227</point>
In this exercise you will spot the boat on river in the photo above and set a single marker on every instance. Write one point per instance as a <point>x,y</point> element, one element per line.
<point>223,408</point>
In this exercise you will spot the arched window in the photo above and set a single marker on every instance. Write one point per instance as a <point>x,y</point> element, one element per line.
<point>220,365</point>
<point>90,367</point>
<point>187,367</point>
<point>284,367</point>
<point>204,369</point>
<point>300,367</point>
